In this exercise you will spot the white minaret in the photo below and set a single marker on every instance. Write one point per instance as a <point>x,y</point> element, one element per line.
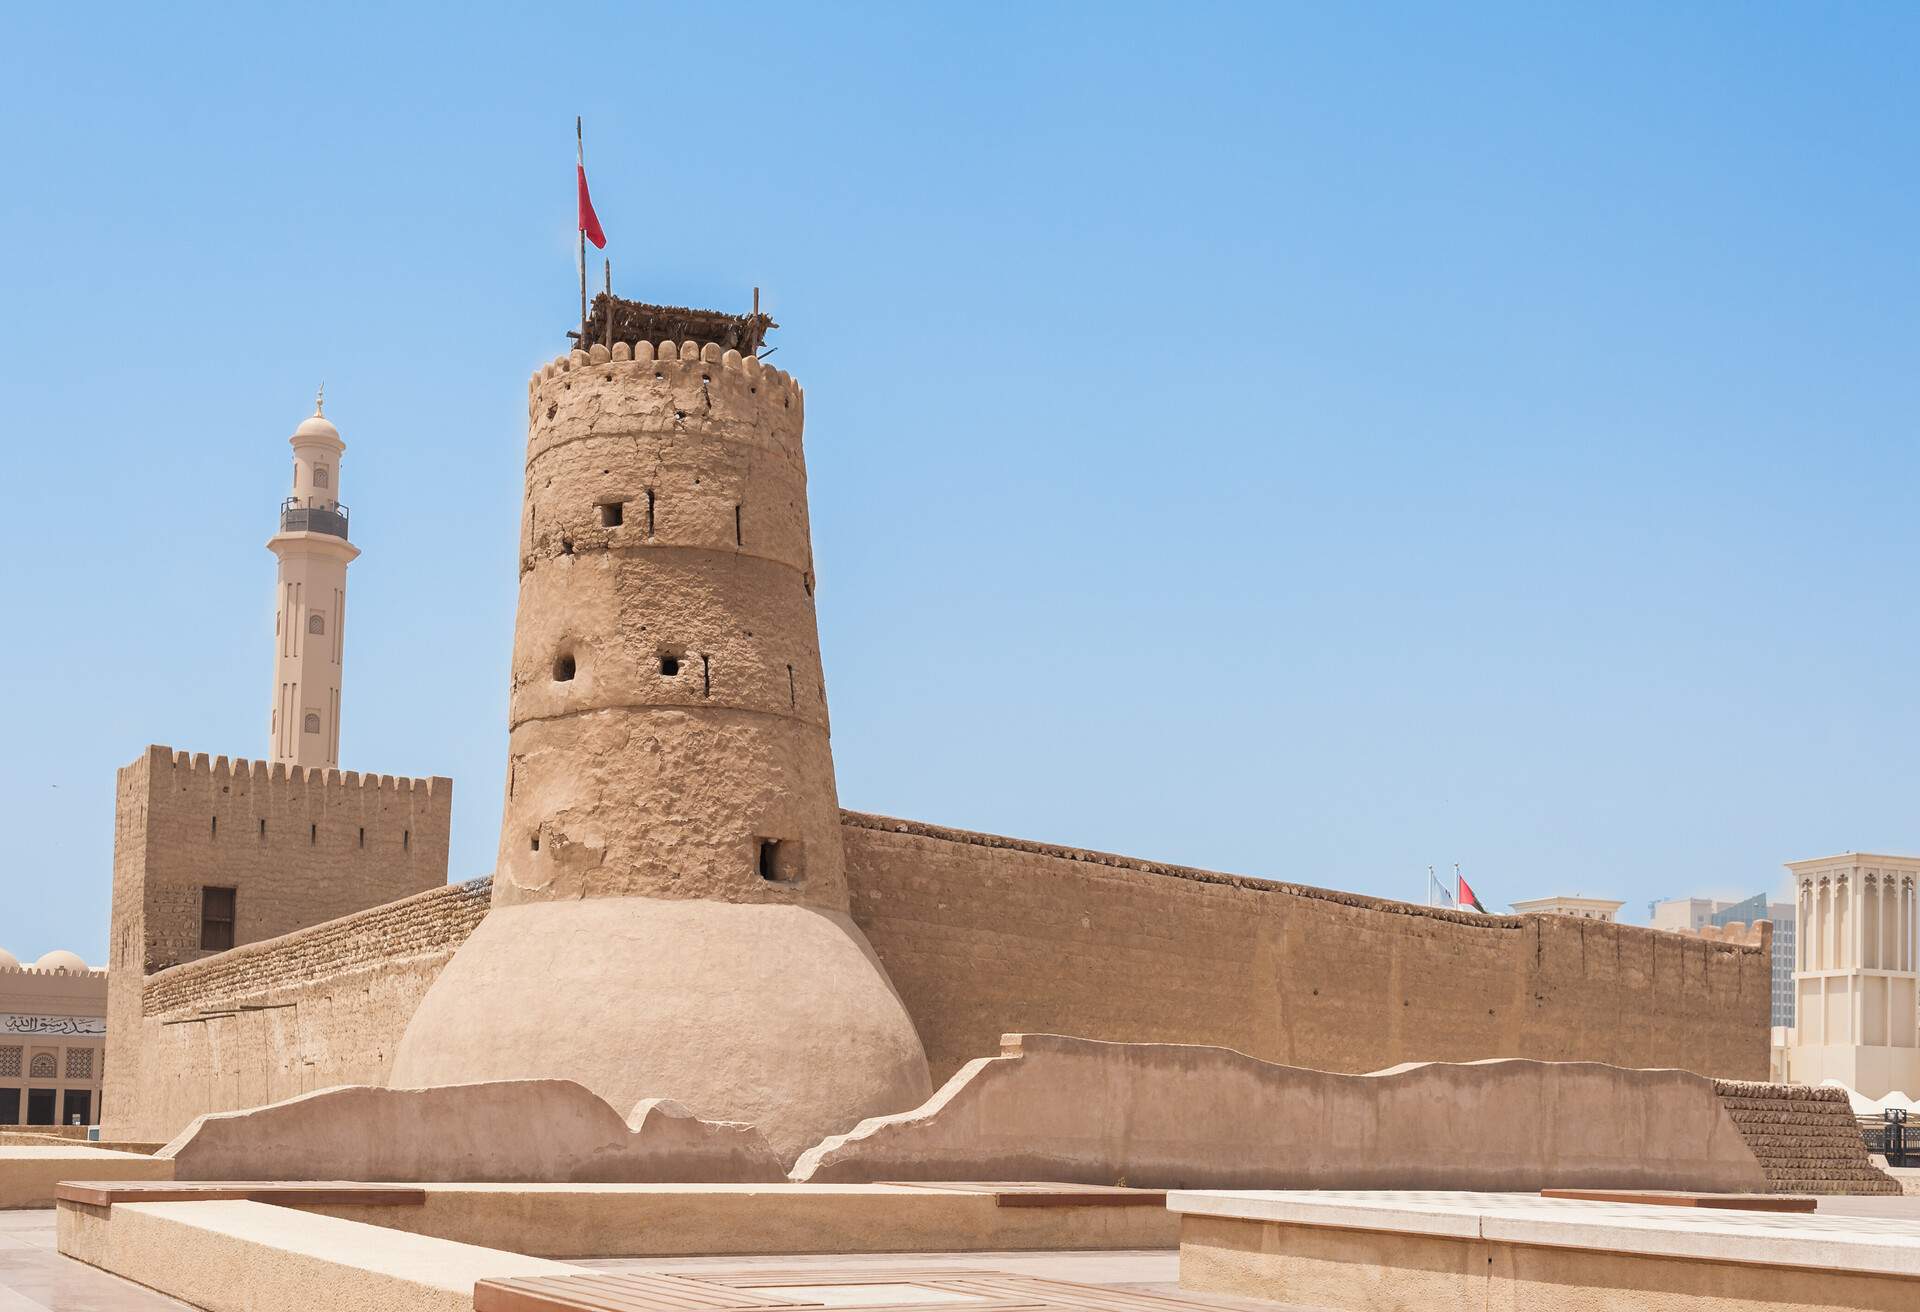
<point>313,551</point>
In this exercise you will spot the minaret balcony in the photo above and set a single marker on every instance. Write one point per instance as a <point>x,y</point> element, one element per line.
<point>297,516</point>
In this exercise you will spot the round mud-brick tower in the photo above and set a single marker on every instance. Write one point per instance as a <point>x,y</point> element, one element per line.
<point>670,902</point>
<point>669,720</point>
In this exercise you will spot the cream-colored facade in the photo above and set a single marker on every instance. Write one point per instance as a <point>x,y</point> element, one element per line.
<point>1857,1008</point>
<point>1585,908</point>
<point>53,1035</point>
<point>310,617</point>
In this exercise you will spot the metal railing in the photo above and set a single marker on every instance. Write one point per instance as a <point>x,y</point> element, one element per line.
<point>296,517</point>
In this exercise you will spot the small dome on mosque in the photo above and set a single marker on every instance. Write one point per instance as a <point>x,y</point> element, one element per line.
<point>61,959</point>
<point>317,424</point>
<point>8,961</point>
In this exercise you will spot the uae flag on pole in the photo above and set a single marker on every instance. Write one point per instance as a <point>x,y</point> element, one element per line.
<point>589,221</point>
<point>1468,898</point>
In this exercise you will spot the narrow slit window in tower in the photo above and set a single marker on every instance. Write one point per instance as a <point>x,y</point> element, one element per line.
<point>706,675</point>
<point>612,513</point>
<point>213,830</point>
<point>536,840</point>
<point>263,830</point>
<point>649,512</point>
<point>313,835</point>
<point>406,840</point>
<point>363,835</point>
<point>738,539</point>
<point>793,698</point>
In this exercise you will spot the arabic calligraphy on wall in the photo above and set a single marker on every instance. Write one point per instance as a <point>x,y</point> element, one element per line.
<point>77,1027</point>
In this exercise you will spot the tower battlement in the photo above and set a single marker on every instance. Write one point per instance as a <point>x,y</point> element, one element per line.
<point>200,767</point>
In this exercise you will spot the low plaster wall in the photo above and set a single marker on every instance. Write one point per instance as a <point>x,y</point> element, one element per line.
<point>1170,1116</point>
<point>680,1220</point>
<point>230,1256</point>
<point>1348,1270</point>
<point>28,1174</point>
<point>506,1131</point>
<point>983,935</point>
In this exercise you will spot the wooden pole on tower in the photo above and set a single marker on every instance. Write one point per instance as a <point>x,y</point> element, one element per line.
<point>580,161</point>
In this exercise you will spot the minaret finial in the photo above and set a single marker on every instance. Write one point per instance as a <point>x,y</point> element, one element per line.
<point>320,400</point>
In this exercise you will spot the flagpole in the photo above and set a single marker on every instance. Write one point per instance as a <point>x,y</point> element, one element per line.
<point>580,160</point>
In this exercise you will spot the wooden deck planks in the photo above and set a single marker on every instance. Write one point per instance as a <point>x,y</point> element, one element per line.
<point>643,1291</point>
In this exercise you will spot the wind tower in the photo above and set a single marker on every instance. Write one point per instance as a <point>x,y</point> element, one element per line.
<point>309,621</point>
<point>670,909</point>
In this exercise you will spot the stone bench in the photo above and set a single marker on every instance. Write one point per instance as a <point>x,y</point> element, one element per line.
<point>1361,1251</point>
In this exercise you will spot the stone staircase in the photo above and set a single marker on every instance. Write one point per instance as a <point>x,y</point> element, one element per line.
<point>1806,1138</point>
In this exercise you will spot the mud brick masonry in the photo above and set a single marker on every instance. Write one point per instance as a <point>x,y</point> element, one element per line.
<point>984,935</point>
<point>681,908</point>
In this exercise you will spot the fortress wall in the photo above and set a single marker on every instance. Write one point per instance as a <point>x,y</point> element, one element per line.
<point>300,846</point>
<point>320,1007</point>
<point>985,935</point>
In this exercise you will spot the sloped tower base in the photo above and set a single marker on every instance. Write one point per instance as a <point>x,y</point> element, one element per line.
<point>777,1015</point>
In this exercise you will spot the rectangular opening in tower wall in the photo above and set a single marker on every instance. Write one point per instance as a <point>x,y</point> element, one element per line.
<point>612,514</point>
<point>216,918</point>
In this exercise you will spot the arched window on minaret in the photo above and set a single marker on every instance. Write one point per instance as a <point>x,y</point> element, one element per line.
<point>313,722</point>
<point>319,475</point>
<point>316,624</point>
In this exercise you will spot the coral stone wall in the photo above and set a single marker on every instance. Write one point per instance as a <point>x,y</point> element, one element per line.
<point>298,846</point>
<point>312,1009</point>
<point>668,711</point>
<point>985,935</point>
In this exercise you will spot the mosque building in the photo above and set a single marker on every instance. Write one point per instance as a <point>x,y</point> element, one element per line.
<point>53,1035</point>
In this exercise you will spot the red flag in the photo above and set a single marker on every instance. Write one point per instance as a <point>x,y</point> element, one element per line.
<point>1467,897</point>
<point>589,221</point>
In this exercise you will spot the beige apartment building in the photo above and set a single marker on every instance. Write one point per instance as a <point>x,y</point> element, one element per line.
<point>1583,908</point>
<point>53,1037</point>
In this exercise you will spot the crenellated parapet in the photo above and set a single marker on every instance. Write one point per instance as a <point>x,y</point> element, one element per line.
<point>192,769</point>
<point>1735,933</point>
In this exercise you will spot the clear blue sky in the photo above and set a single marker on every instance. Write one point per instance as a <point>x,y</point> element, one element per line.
<point>1312,441</point>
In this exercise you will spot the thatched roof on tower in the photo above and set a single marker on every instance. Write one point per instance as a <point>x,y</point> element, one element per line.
<point>637,321</point>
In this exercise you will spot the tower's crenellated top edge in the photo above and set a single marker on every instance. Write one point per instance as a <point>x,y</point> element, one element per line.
<point>220,767</point>
<point>646,352</point>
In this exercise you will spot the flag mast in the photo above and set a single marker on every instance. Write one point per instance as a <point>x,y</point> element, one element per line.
<point>580,162</point>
